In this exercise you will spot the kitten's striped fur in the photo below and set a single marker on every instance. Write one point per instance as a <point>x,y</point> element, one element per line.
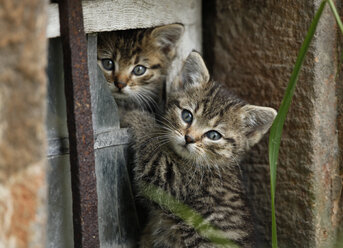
<point>153,48</point>
<point>205,175</point>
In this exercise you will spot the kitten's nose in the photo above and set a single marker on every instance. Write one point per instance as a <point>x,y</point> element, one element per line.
<point>189,139</point>
<point>120,85</point>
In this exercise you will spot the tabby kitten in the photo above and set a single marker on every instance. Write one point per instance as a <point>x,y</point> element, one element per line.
<point>135,64</point>
<point>193,154</point>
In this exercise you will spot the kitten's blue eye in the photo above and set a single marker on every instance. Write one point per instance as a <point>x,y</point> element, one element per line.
<point>107,64</point>
<point>139,70</point>
<point>187,116</point>
<point>213,135</point>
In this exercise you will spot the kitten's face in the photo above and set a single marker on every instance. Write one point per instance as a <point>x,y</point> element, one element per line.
<point>205,128</point>
<point>206,123</point>
<point>135,62</point>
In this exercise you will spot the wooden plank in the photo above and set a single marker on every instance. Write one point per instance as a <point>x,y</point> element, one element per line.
<point>80,127</point>
<point>108,15</point>
<point>118,222</point>
<point>110,137</point>
<point>59,223</point>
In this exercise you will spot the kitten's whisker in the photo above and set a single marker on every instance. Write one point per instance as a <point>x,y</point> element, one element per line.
<point>162,140</point>
<point>149,98</point>
<point>143,102</point>
<point>239,166</point>
<point>166,122</point>
<point>139,101</point>
<point>165,119</point>
<point>153,138</point>
<point>214,165</point>
<point>160,145</point>
<point>192,167</point>
<point>154,134</point>
<point>209,167</point>
<point>171,129</point>
<point>201,173</point>
<point>216,169</point>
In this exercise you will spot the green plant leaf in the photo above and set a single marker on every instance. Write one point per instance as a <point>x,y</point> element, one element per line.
<point>277,127</point>
<point>340,25</point>
<point>335,13</point>
<point>188,215</point>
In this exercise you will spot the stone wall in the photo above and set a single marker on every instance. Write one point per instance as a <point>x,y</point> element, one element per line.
<point>22,119</point>
<point>252,47</point>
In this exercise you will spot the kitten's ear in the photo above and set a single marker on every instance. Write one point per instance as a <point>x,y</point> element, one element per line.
<point>257,121</point>
<point>193,72</point>
<point>167,37</point>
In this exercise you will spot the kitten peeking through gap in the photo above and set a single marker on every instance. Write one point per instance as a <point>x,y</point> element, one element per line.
<point>135,64</point>
<point>193,154</point>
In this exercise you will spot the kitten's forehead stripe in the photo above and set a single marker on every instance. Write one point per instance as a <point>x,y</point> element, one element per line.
<point>196,107</point>
<point>147,78</point>
<point>176,103</point>
<point>209,99</point>
<point>231,140</point>
<point>156,66</point>
<point>137,59</point>
<point>140,35</point>
<point>136,51</point>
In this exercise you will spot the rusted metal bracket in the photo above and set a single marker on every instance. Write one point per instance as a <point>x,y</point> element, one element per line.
<point>79,118</point>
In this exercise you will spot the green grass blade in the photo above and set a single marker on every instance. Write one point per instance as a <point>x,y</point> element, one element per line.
<point>340,25</point>
<point>276,129</point>
<point>335,13</point>
<point>190,216</point>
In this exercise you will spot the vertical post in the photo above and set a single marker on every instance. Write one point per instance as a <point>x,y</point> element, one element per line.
<point>79,118</point>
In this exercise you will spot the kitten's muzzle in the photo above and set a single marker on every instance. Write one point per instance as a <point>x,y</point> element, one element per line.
<point>120,85</point>
<point>189,139</point>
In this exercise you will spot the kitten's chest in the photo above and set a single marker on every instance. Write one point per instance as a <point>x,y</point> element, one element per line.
<point>210,192</point>
<point>190,183</point>
<point>196,184</point>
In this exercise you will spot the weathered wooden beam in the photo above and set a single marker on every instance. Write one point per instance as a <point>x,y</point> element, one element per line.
<point>107,138</point>
<point>79,118</point>
<point>118,220</point>
<point>108,15</point>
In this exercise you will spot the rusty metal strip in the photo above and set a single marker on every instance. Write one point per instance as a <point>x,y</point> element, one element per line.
<point>79,118</point>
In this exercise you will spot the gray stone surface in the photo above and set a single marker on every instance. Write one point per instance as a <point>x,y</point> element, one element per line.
<point>252,46</point>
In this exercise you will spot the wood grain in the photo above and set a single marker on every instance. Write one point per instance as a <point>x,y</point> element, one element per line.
<point>108,15</point>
